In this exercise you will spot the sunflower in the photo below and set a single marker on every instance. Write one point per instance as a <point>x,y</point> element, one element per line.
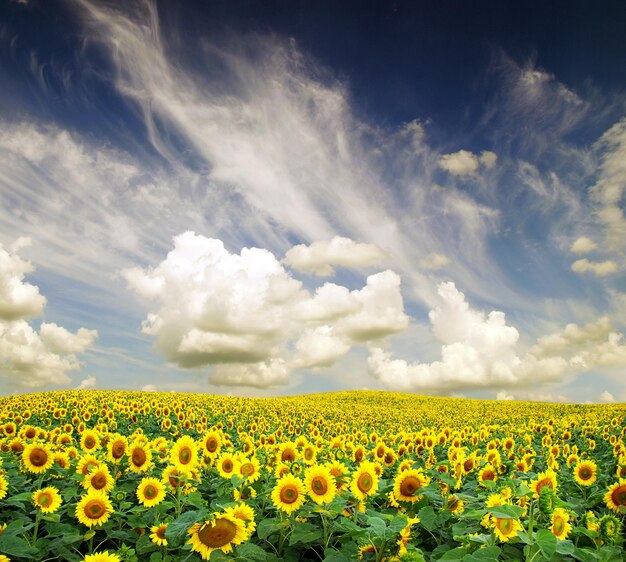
<point>320,484</point>
<point>591,521</point>
<point>364,480</point>
<point>184,455</point>
<point>585,472</point>
<point>4,558</point>
<point>559,523</point>
<point>615,498</point>
<point>245,513</point>
<point>102,557</point>
<point>4,486</point>
<point>116,448</point>
<point>610,528</point>
<point>407,483</point>
<point>48,500</point>
<point>221,533</point>
<point>309,453</point>
<point>37,458</point>
<point>157,534</point>
<point>455,504</point>
<point>249,468</point>
<point>212,442</point>
<point>94,508</point>
<point>288,494</point>
<point>89,441</point>
<point>150,492</point>
<point>226,465</point>
<point>339,471</point>
<point>287,452</point>
<point>487,472</point>
<point>547,478</point>
<point>505,528</point>
<point>86,463</point>
<point>99,478</point>
<point>140,457</point>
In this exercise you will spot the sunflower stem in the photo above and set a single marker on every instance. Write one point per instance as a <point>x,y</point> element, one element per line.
<point>36,528</point>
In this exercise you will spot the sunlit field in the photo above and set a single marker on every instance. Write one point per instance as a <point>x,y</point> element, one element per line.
<point>111,476</point>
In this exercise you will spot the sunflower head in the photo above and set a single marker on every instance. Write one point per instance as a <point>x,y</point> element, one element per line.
<point>150,492</point>
<point>157,534</point>
<point>407,484</point>
<point>615,497</point>
<point>221,533</point>
<point>585,472</point>
<point>94,508</point>
<point>505,528</point>
<point>288,493</point>
<point>610,528</point>
<point>320,484</point>
<point>48,500</point>
<point>364,480</point>
<point>37,458</point>
<point>560,525</point>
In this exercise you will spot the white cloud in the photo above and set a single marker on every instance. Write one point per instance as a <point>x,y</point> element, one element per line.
<point>434,261</point>
<point>149,388</point>
<point>503,395</point>
<point>481,351</point>
<point>583,245</point>
<point>27,357</point>
<point>466,163</point>
<point>608,191</point>
<point>18,299</point>
<point>87,383</point>
<point>461,163</point>
<point>246,314</point>
<point>321,257</point>
<point>601,269</point>
<point>607,398</point>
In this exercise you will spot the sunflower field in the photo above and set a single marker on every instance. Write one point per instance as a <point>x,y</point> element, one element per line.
<point>112,476</point>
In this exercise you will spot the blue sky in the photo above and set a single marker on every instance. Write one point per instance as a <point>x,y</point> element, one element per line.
<point>265,198</point>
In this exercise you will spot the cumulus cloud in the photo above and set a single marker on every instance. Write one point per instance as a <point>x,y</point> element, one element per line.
<point>466,163</point>
<point>583,245</point>
<point>18,299</point>
<point>87,383</point>
<point>607,398</point>
<point>30,358</point>
<point>248,316</point>
<point>601,269</point>
<point>481,351</point>
<point>321,257</point>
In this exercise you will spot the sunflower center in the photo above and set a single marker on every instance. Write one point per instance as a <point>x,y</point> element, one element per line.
<point>184,455</point>
<point>160,532</point>
<point>139,457</point>
<point>289,494</point>
<point>288,456</point>
<point>88,466</point>
<point>227,466</point>
<point>319,485</point>
<point>45,500</point>
<point>558,526</point>
<point>545,482</point>
<point>488,475</point>
<point>217,533</point>
<point>99,481</point>
<point>38,457</point>
<point>585,473</point>
<point>409,485</point>
<point>90,442</point>
<point>118,450</point>
<point>211,445</point>
<point>150,491</point>
<point>247,469</point>
<point>365,482</point>
<point>619,495</point>
<point>95,509</point>
<point>505,525</point>
<point>358,456</point>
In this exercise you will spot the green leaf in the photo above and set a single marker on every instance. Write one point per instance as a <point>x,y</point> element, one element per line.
<point>335,556</point>
<point>376,526</point>
<point>457,553</point>
<point>585,555</point>
<point>427,517</point>
<point>251,551</point>
<point>487,553</point>
<point>565,547</point>
<point>144,544</point>
<point>304,533</point>
<point>507,511</point>
<point>398,523</point>
<point>177,528</point>
<point>17,547</point>
<point>546,541</point>
<point>268,526</point>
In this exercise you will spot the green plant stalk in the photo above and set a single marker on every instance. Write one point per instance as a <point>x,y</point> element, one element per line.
<point>36,528</point>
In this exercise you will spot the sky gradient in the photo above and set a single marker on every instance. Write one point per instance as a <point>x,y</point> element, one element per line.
<point>266,198</point>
